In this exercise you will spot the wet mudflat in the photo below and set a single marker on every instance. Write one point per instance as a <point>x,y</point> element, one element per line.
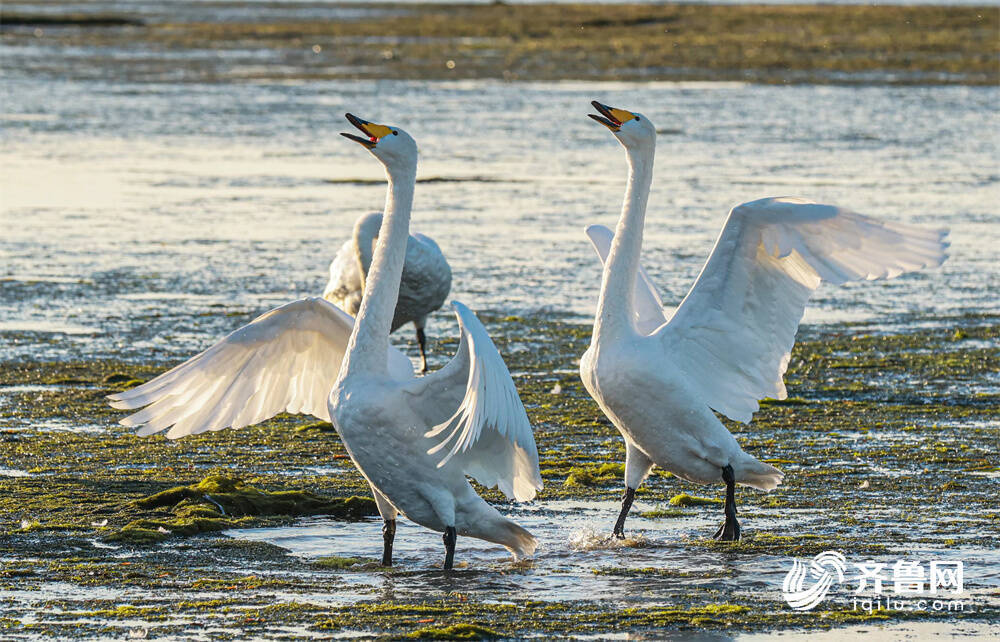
<point>890,443</point>
<point>319,40</point>
<point>166,181</point>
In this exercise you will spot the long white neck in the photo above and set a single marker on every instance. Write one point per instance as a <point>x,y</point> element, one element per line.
<point>616,304</point>
<point>367,350</point>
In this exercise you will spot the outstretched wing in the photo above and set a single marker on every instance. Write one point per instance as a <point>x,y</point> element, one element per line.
<point>733,333</point>
<point>648,306</point>
<point>284,360</point>
<point>486,432</point>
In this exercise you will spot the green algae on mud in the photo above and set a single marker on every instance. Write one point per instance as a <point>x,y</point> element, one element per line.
<point>217,503</point>
<point>593,474</point>
<point>689,500</point>
<point>455,632</point>
<point>756,43</point>
<point>582,618</point>
<point>889,446</point>
<point>339,563</point>
<point>224,496</point>
<point>661,513</point>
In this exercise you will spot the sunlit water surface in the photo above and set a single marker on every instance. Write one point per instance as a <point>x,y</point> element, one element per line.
<point>577,560</point>
<point>136,217</point>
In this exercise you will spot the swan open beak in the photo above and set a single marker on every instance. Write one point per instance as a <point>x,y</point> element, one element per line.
<point>371,130</point>
<point>610,117</point>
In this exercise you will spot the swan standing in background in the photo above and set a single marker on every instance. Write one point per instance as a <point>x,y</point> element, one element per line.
<point>424,287</point>
<point>469,407</point>
<point>728,343</point>
<point>288,360</point>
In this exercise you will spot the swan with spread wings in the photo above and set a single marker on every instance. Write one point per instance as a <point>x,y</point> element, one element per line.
<point>727,346</point>
<point>414,440</point>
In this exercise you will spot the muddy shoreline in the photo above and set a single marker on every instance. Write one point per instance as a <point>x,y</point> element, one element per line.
<point>890,443</point>
<point>786,44</point>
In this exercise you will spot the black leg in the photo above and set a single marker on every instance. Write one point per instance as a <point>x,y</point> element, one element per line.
<point>449,547</point>
<point>422,342</point>
<point>627,499</point>
<point>388,535</point>
<point>730,529</point>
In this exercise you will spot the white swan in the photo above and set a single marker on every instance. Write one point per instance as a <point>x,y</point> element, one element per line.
<point>728,343</point>
<point>470,407</point>
<point>288,360</point>
<point>424,286</point>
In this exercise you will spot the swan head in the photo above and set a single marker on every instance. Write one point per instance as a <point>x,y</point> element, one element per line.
<point>632,129</point>
<point>391,145</point>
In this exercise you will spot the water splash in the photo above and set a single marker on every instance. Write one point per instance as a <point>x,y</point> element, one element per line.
<point>590,539</point>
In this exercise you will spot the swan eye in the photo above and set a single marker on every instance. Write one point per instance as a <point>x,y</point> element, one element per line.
<point>395,133</point>
<point>637,119</point>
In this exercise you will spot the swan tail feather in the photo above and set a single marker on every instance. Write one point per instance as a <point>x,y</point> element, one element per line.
<point>756,474</point>
<point>517,539</point>
<point>500,530</point>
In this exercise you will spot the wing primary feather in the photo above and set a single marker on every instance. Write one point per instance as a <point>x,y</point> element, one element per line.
<point>488,434</point>
<point>732,334</point>
<point>285,359</point>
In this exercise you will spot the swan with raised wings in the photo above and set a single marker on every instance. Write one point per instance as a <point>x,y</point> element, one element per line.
<point>414,440</point>
<point>727,345</point>
<point>423,288</point>
<point>469,408</point>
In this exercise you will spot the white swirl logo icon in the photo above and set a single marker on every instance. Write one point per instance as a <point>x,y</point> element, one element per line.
<point>824,568</point>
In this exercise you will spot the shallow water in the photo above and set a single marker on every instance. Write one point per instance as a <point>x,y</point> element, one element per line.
<point>13,472</point>
<point>658,564</point>
<point>146,220</point>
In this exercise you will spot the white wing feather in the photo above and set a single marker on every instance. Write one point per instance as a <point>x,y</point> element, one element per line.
<point>648,305</point>
<point>488,435</point>
<point>733,333</point>
<point>284,360</point>
<point>347,283</point>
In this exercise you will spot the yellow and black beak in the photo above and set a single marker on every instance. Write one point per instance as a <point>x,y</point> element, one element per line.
<point>610,117</point>
<point>372,131</point>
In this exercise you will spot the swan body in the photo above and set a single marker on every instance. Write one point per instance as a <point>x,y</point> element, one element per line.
<point>727,345</point>
<point>385,424</point>
<point>649,400</point>
<point>415,441</point>
<point>423,288</point>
